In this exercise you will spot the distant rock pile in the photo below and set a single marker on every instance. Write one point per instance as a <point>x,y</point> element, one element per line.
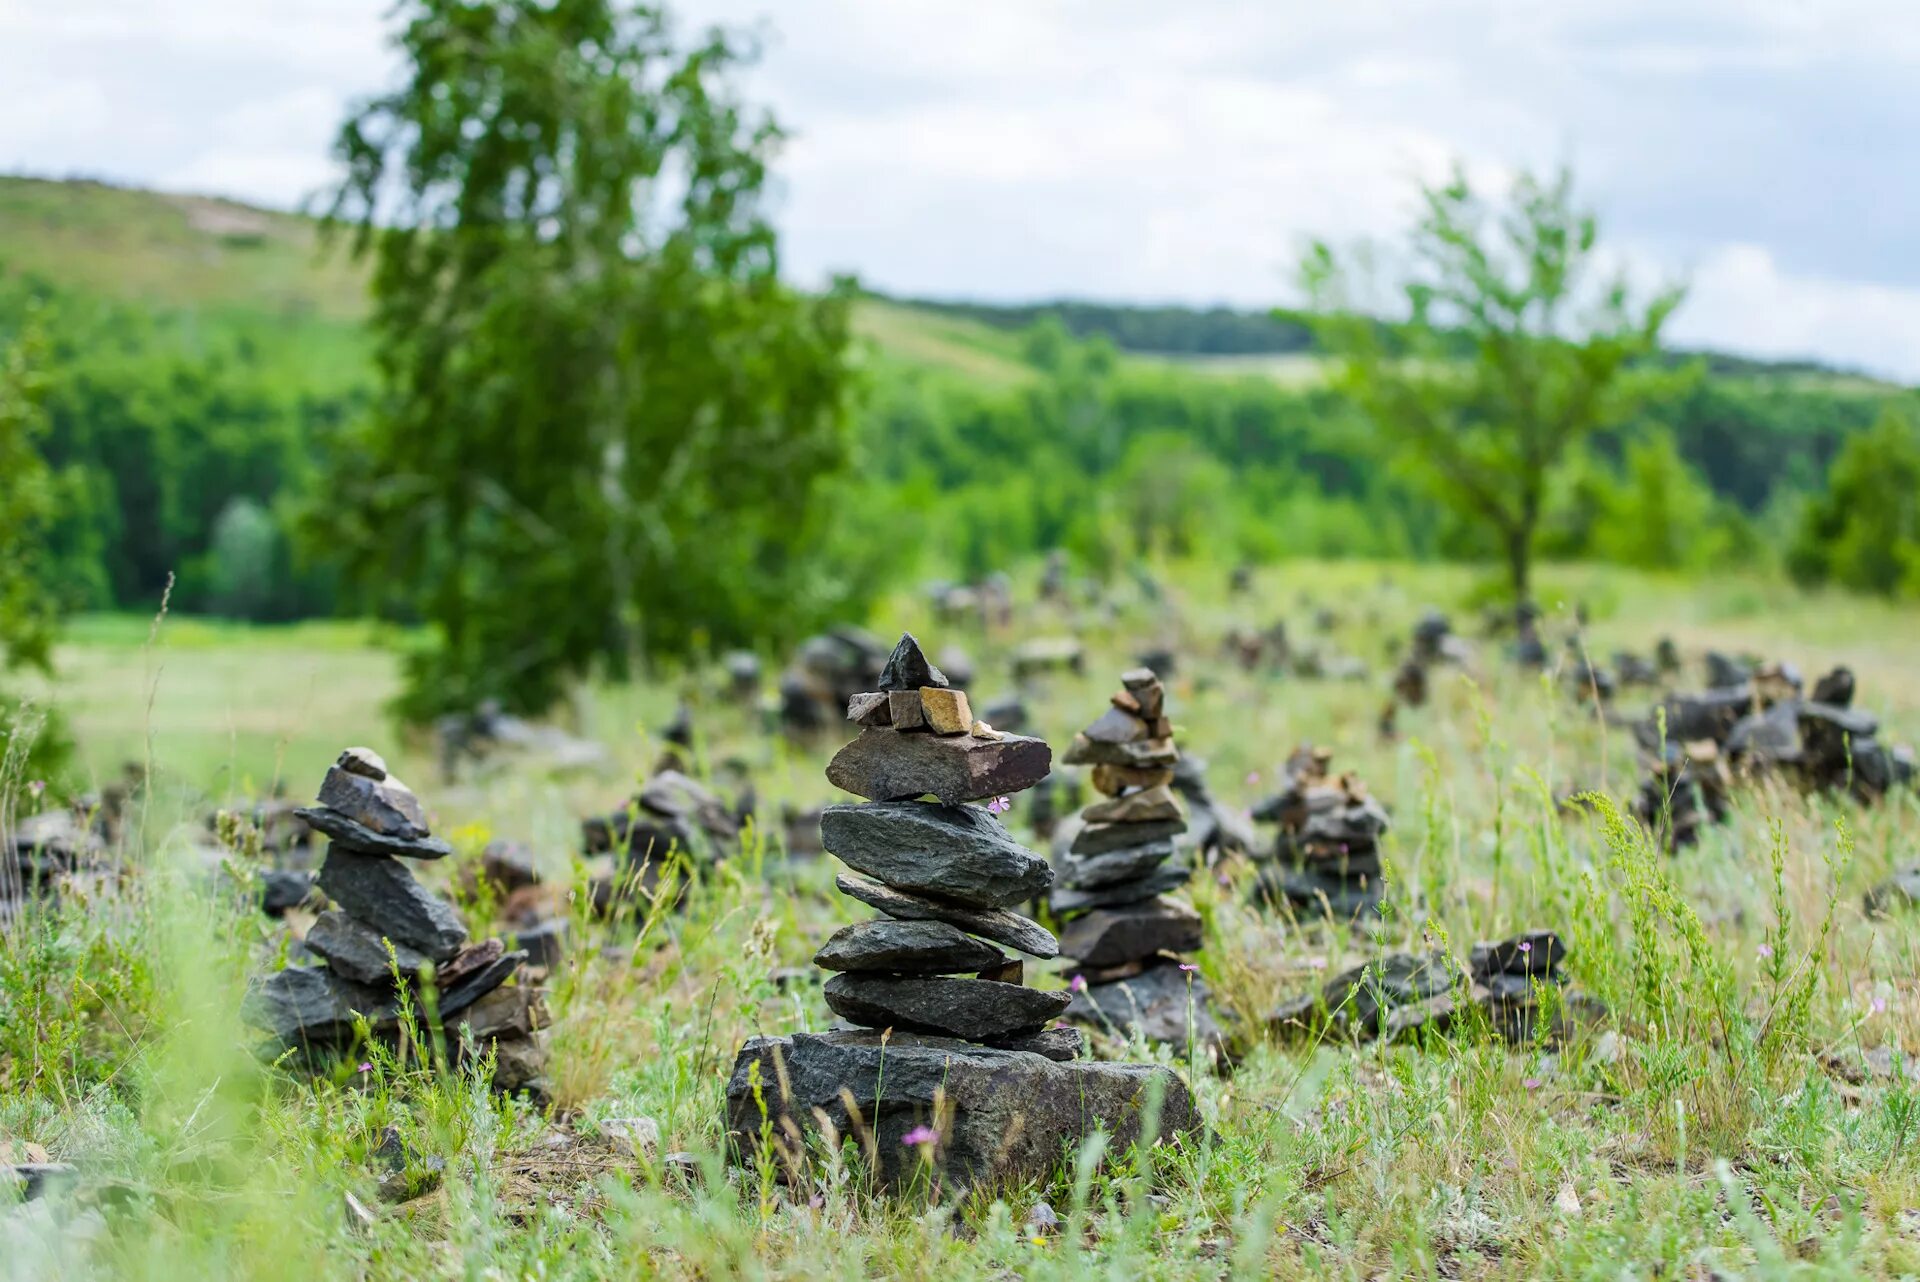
<point>1514,983</point>
<point>40,852</point>
<point>1326,857</point>
<point>1124,930</point>
<point>827,671</point>
<point>971,1059</point>
<point>1759,722</point>
<point>384,921</point>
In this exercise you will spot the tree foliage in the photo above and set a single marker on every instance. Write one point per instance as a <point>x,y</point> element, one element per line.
<point>1515,348</point>
<point>603,419</point>
<point>26,506</point>
<point>1863,532</point>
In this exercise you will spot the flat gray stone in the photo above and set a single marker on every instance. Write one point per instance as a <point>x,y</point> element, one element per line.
<point>997,924</point>
<point>1098,838</point>
<point>906,947</point>
<point>974,1009</point>
<point>1117,726</point>
<point>1006,1117</point>
<point>1112,936</point>
<point>1146,752</point>
<point>885,765</point>
<point>346,833</point>
<point>1087,872</point>
<point>385,806</point>
<point>1062,1043</point>
<point>311,1006</point>
<point>957,852</point>
<point>385,897</point>
<point>1168,877</point>
<point>1163,1004</point>
<point>357,951</point>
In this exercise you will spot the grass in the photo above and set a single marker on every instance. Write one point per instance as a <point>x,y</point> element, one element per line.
<point>1719,1121</point>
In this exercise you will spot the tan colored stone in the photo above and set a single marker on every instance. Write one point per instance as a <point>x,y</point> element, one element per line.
<point>981,730</point>
<point>946,711</point>
<point>1111,781</point>
<point>1145,806</point>
<point>1125,701</point>
<point>905,708</point>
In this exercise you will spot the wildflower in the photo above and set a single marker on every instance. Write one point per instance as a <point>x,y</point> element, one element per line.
<point>1189,967</point>
<point>1526,945</point>
<point>1078,984</point>
<point>1000,805</point>
<point>920,1135</point>
<point>35,787</point>
<point>1532,1083</point>
<point>366,1066</point>
<point>1253,777</point>
<point>1879,1005</point>
<point>1766,951</point>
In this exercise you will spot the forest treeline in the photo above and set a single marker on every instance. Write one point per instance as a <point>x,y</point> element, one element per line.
<point>182,449</point>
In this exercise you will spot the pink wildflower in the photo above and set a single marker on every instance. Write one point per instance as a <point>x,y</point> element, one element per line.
<point>1000,805</point>
<point>1189,967</point>
<point>366,1066</point>
<point>1526,945</point>
<point>1078,984</point>
<point>920,1135</point>
<point>1253,777</point>
<point>1532,1083</point>
<point>1766,950</point>
<point>1879,1005</point>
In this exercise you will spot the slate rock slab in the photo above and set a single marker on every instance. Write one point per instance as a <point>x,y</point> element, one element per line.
<point>1147,805</point>
<point>1163,1004</point>
<point>384,805</point>
<point>1536,952</point>
<point>884,765</point>
<point>385,897</point>
<point>997,924</point>
<point>1098,838</point>
<point>1011,1117</point>
<point>1111,936</point>
<point>1063,1043</point>
<point>1086,872</point>
<point>348,834</point>
<point>906,947</point>
<point>357,951</point>
<point>973,1009</point>
<point>958,852</point>
<point>310,1006</point>
<point>1168,877</point>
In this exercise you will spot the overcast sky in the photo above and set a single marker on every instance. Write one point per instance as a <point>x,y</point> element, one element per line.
<point>1162,150</point>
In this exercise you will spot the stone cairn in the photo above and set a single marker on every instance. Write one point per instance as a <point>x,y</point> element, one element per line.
<point>372,821</point>
<point>1326,858</point>
<point>1124,931</point>
<point>1396,994</point>
<point>1763,723</point>
<point>944,1039</point>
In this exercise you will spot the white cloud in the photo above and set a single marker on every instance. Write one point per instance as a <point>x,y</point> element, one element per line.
<point>1135,149</point>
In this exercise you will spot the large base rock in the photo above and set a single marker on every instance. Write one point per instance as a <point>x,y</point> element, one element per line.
<point>1005,1116</point>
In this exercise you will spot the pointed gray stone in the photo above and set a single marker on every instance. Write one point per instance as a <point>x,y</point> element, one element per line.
<point>973,1009</point>
<point>957,852</point>
<point>385,897</point>
<point>908,669</point>
<point>906,947</point>
<point>997,924</point>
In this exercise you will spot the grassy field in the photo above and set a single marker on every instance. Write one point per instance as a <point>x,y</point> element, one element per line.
<point>1731,1116</point>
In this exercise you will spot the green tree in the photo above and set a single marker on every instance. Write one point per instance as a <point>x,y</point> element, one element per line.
<point>1490,347</point>
<point>1864,531</point>
<point>604,421</point>
<point>27,617</point>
